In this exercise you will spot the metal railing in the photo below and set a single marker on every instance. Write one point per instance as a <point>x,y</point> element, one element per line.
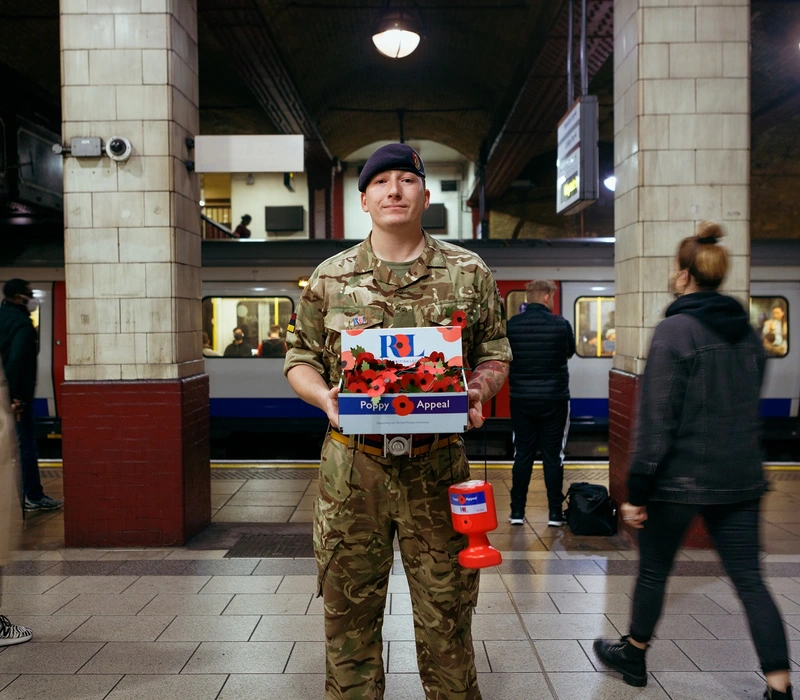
<point>215,231</point>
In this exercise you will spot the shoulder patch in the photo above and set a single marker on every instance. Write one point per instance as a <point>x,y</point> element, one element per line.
<point>290,325</point>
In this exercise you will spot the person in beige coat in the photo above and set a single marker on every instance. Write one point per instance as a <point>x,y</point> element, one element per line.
<point>10,508</point>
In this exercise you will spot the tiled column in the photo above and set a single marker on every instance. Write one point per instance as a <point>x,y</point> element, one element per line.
<point>135,401</point>
<point>681,155</point>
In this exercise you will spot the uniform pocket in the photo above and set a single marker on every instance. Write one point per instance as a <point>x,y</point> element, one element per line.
<point>339,319</point>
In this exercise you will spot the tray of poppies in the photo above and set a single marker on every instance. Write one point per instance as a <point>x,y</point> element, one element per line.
<point>419,391</point>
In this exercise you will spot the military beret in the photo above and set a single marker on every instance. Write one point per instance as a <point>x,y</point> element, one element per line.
<point>393,156</point>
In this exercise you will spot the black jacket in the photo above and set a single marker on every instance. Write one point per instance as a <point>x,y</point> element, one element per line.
<point>18,348</point>
<point>698,436</point>
<point>541,343</point>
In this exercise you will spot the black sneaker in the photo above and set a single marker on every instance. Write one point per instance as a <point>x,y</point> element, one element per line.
<point>44,503</point>
<point>622,656</point>
<point>12,634</point>
<point>556,518</point>
<point>517,518</point>
<point>770,694</point>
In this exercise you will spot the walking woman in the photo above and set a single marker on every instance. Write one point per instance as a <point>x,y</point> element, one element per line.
<point>698,452</point>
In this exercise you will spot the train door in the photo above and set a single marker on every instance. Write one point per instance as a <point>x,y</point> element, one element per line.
<point>775,314</point>
<point>590,308</point>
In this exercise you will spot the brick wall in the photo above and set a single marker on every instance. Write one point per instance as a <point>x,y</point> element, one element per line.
<point>136,462</point>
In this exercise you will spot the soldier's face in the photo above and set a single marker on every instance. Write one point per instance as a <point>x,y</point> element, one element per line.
<point>395,199</point>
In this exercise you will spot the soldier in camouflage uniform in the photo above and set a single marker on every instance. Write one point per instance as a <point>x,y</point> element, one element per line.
<point>398,277</point>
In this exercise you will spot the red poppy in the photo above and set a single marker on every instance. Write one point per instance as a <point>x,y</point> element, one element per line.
<point>459,318</point>
<point>376,388</point>
<point>456,361</point>
<point>358,387</point>
<point>402,345</point>
<point>409,380</point>
<point>425,382</point>
<point>348,361</point>
<point>440,385</point>
<point>368,375</point>
<point>364,357</point>
<point>450,333</point>
<point>437,357</point>
<point>402,405</point>
<point>393,388</point>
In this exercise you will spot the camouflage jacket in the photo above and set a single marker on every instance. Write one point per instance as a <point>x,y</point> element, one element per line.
<point>355,289</point>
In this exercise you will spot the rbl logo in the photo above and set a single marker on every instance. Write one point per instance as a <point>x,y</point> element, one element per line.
<point>399,345</point>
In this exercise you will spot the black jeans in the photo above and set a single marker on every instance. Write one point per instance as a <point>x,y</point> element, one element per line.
<point>734,529</point>
<point>29,456</point>
<point>543,425</point>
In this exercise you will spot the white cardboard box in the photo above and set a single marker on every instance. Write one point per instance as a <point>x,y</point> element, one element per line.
<point>416,399</point>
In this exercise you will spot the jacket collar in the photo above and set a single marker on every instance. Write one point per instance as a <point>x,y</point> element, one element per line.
<point>432,256</point>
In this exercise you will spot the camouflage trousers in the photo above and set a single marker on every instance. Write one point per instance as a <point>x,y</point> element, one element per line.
<point>363,501</point>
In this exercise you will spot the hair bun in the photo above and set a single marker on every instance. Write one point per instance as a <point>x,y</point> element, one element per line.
<point>709,232</point>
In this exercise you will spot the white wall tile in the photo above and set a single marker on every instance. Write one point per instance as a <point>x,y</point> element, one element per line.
<point>154,62</point>
<point>115,67</point>
<point>185,13</point>
<point>114,348</point>
<point>161,348</point>
<point>146,316</point>
<point>709,131</point>
<point>114,6</point>
<point>736,60</point>
<point>654,61</point>
<point>75,67</point>
<point>141,31</point>
<point>668,25</point>
<point>695,203</point>
<point>80,282</point>
<point>154,6</point>
<point>156,209</point>
<point>143,102</point>
<point>118,209</point>
<point>87,31</point>
<point>654,132</point>
<point>654,203</point>
<point>81,101</point>
<point>668,167</point>
<point>156,138</point>
<point>119,280</point>
<point>187,248</point>
<point>674,96</point>
<point>146,174</point>
<point>723,24</point>
<point>78,208</point>
<point>66,7</point>
<point>626,208</point>
<point>92,316</point>
<point>723,167</point>
<point>89,175</point>
<point>735,202</point>
<point>159,280</point>
<point>662,238</point>
<point>723,95</point>
<point>80,349</point>
<point>628,243</point>
<point>695,60</point>
<point>92,373</point>
<point>145,245</point>
<point>91,245</point>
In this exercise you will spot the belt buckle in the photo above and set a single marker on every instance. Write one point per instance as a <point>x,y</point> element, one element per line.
<point>397,446</point>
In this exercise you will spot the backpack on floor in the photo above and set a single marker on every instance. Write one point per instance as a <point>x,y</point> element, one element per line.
<point>590,511</point>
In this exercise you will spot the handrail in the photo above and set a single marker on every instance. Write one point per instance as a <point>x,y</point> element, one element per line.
<point>212,230</point>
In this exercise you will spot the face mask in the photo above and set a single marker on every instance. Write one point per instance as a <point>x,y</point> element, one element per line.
<point>31,304</point>
<point>238,336</point>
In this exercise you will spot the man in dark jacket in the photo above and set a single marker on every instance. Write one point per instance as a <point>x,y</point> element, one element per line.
<point>18,349</point>
<point>541,343</point>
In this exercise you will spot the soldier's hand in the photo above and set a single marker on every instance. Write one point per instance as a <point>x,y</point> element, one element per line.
<point>475,409</point>
<point>17,406</point>
<point>332,406</point>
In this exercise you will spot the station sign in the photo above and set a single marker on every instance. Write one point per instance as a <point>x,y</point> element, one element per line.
<point>577,179</point>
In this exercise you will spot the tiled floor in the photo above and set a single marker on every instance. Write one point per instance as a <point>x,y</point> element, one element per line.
<point>187,622</point>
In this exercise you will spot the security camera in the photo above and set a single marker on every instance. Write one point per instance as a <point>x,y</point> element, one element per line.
<point>118,148</point>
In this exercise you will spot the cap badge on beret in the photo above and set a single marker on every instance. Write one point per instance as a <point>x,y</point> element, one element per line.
<point>415,159</point>
<point>392,156</point>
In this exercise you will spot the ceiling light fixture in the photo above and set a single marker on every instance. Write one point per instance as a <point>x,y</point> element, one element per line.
<point>397,33</point>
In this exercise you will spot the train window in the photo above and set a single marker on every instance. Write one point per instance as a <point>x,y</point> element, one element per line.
<point>515,302</point>
<point>770,317</point>
<point>261,320</point>
<point>593,314</point>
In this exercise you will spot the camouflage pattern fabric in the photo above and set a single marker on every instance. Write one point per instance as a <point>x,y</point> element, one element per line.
<point>363,502</point>
<point>356,290</point>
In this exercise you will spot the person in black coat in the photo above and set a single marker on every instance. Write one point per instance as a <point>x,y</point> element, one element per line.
<point>541,343</point>
<point>18,349</point>
<point>698,453</point>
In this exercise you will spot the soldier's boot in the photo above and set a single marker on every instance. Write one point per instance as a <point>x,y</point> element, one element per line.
<point>772,694</point>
